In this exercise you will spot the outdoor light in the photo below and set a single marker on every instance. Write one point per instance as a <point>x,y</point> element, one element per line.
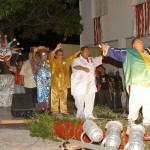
<point>94,133</point>
<point>113,138</point>
<point>136,138</point>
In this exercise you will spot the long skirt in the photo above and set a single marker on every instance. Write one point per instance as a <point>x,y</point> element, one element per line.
<point>43,88</point>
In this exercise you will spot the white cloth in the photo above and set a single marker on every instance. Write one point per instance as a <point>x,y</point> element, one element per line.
<point>83,85</point>
<point>26,71</point>
<point>139,97</point>
<point>81,81</point>
<point>87,101</point>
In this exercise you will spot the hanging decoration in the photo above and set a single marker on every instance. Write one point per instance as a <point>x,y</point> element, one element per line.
<point>7,49</point>
<point>142,19</point>
<point>97,31</point>
<point>99,8</point>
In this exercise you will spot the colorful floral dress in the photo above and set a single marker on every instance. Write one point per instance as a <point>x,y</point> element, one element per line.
<point>43,80</point>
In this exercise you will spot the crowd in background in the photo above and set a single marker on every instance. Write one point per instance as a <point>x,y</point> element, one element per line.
<point>46,76</point>
<point>109,89</point>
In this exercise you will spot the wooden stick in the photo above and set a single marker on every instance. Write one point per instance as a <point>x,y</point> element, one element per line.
<point>12,121</point>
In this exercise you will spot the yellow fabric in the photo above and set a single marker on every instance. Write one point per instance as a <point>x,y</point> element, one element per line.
<point>60,71</point>
<point>59,98</point>
<point>105,52</point>
<point>147,61</point>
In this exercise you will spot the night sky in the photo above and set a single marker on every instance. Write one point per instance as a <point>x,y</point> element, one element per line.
<point>50,40</point>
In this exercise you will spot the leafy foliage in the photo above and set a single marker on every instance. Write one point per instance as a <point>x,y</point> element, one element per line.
<point>32,17</point>
<point>42,126</point>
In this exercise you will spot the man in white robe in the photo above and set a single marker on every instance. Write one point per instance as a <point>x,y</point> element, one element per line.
<point>83,85</point>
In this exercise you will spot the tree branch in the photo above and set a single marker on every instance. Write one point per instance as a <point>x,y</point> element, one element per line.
<point>31,14</point>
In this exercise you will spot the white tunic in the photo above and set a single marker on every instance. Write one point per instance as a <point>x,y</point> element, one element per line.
<point>81,81</point>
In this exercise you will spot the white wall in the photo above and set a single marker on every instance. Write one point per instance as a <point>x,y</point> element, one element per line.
<point>117,25</point>
<point>87,36</point>
<point>71,48</point>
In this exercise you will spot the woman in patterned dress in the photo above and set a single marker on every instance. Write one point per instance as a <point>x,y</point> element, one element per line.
<point>43,78</point>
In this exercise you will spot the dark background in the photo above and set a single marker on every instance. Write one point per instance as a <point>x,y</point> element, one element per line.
<point>50,39</point>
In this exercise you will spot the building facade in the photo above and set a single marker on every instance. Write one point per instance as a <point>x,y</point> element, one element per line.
<point>117,25</point>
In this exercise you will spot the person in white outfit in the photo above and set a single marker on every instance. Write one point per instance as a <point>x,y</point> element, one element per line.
<point>83,85</point>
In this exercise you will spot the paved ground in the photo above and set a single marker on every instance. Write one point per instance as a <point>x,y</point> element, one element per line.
<point>17,137</point>
<point>5,113</point>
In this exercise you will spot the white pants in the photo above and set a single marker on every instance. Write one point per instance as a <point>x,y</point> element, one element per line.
<point>139,97</point>
<point>84,104</point>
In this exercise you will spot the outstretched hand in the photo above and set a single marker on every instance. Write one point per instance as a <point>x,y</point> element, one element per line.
<point>58,46</point>
<point>78,52</point>
<point>104,47</point>
<point>35,49</point>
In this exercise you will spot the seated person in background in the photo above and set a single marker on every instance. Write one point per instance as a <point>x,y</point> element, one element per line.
<point>19,81</point>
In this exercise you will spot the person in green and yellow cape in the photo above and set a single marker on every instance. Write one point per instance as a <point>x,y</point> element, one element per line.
<point>136,64</point>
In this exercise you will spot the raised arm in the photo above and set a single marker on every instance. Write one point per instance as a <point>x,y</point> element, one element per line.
<point>52,54</point>
<point>118,54</point>
<point>34,52</point>
<point>72,57</point>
